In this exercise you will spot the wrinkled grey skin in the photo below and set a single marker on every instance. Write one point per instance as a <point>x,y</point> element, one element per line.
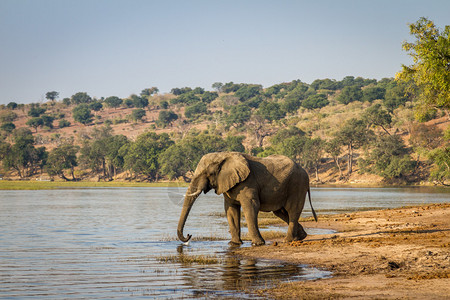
<point>274,183</point>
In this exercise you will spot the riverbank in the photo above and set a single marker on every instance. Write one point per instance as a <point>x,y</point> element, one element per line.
<point>386,254</point>
<point>49,185</point>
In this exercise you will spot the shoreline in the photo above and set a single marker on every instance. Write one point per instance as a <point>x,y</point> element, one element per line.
<point>381,254</point>
<point>7,184</point>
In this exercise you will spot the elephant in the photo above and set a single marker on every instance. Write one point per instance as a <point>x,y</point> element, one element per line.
<point>274,183</point>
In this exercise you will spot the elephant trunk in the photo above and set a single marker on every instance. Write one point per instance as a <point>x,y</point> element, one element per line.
<point>192,194</point>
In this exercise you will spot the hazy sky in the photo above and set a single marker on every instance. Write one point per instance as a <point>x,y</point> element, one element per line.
<point>119,47</point>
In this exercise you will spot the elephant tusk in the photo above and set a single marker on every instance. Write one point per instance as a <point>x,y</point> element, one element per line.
<point>195,194</point>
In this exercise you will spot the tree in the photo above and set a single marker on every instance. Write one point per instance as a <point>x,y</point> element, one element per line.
<point>239,115</point>
<point>8,127</point>
<point>441,161</point>
<point>333,147</point>
<point>81,97</point>
<point>96,106</point>
<point>11,105</point>
<point>350,94</point>
<point>373,93</point>
<point>166,118</point>
<point>208,97</point>
<point>271,111</point>
<point>62,158</point>
<point>248,91</point>
<point>390,158</point>
<point>217,86</point>
<point>195,110</point>
<point>82,114</point>
<point>353,134</point>
<point>138,114</point>
<point>48,120</point>
<point>35,123</point>
<point>22,156</point>
<point>8,116</point>
<point>312,154</point>
<point>142,156</point>
<point>315,101</point>
<point>63,123</point>
<point>145,93</point>
<point>113,102</point>
<point>377,116</point>
<point>430,72</point>
<point>183,157</point>
<point>139,102</point>
<point>52,96</point>
<point>36,110</point>
<point>234,143</point>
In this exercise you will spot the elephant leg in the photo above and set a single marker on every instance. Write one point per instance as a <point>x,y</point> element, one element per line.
<point>300,233</point>
<point>251,215</point>
<point>233,212</point>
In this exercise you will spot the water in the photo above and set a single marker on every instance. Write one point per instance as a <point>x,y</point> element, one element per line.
<point>108,243</point>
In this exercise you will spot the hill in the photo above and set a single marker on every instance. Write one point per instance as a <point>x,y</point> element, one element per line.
<point>316,124</point>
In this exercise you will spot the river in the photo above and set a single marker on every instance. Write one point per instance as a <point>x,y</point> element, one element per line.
<point>121,242</point>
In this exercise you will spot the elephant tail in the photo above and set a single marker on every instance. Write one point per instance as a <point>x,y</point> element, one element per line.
<point>310,203</point>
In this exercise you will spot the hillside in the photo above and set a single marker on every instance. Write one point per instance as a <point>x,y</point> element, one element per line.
<point>266,119</point>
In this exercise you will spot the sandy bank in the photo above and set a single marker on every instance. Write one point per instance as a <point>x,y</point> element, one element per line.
<point>388,254</point>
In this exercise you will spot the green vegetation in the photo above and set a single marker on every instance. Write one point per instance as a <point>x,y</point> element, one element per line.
<point>339,127</point>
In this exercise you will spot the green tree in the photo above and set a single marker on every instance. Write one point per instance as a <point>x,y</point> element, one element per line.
<point>22,156</point>
<point>8,127</point>
<point>373,93</point>
<point>8,116</point>
<point>96,106</point>
<point>350,94</point>
<point>48,120</point>
<point>183,157</point>
<point>195,110</point>
<point>62,158</point>
<point>139,102</point>
<point>36,111</point>
<point>238,115</point>
<point>248,91</point>
<point>441,161</point>
<point>315,101</point>
<point>430,71</point>
<point>145,93</point>
<point>234,143</point>
<point>334,148</point>
<point>217,86</point>
<point>82,114</point>
<point>166,118</point>
<point>63,123</point>
<point>312,153</point>
<point>138,114</point>
<point>142,156</point>
<point>35,123</point>
<point>353,134</point>
<point>390,158</point>
<point>113,102</point>
<point>377,116</point>
<point>52,96</point>
<point>11,105</point>
<point>270,111</point>
<point>81,97</point>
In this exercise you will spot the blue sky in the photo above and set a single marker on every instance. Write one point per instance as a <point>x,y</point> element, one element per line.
<point>119,47</point>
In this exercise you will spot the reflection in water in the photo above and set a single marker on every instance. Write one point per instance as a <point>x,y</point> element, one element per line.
<point>105,243</point>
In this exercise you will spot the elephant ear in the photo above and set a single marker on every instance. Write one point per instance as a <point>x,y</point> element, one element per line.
<point>234,169</point>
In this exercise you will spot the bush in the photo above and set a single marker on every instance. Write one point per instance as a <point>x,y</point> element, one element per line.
<point>63,123</point>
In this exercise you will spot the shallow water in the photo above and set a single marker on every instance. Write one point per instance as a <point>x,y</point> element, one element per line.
<point>108,242</point>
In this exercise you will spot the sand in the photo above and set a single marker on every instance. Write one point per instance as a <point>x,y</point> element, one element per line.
<point>388,254</point>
